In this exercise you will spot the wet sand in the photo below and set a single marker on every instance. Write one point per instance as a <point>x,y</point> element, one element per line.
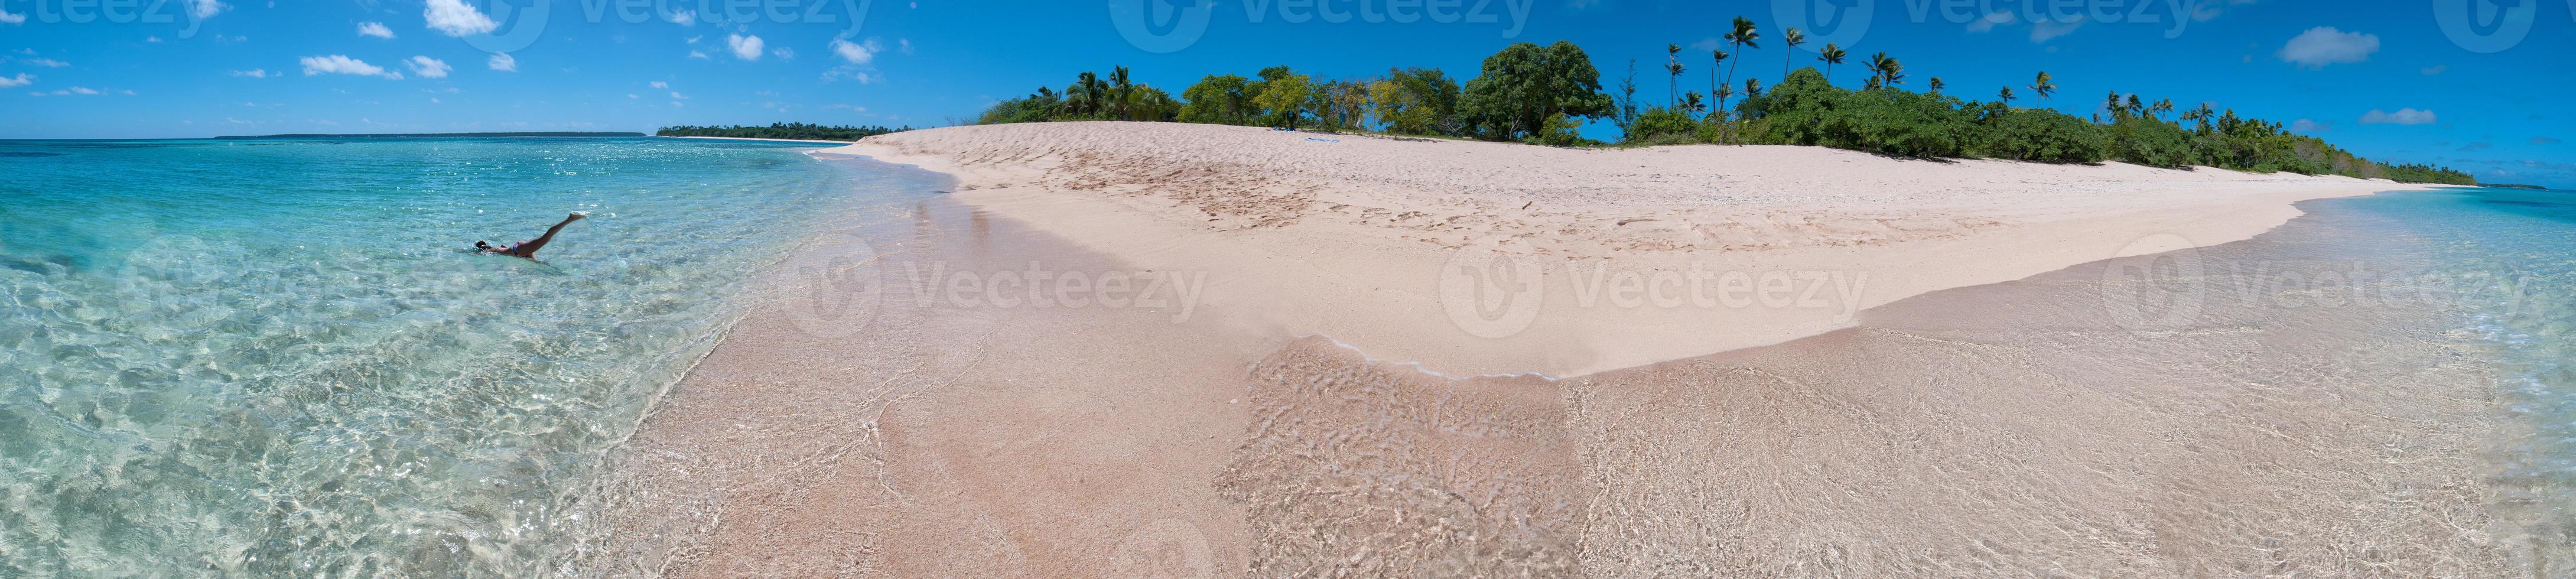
<point>2031,427</point>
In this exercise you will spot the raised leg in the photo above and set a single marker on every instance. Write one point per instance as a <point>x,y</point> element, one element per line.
<point>529,249</point>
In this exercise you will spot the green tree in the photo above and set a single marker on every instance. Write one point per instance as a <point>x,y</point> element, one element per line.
<point>1417,101</point>
<point>1673,66</point>
<point>1218,99</point>
<point>1831,55</point>
<point>1284,98</point>
<point>1525,85</point>
<point>1888,71</point>
<point>2044,86</point>
<point>1792,38</point>
<point>1744,34</point>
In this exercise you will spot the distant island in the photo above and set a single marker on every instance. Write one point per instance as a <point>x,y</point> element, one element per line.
<point>2506,186</point>
<point>792,131</point>
<point>406,135</point>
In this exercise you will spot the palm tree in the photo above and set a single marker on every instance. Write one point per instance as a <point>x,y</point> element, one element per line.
<point>1691,103</point>
<point>2200,115</point>
<point>1086,96</point>
<point>1717,59</point>
<point>1722,92</point>
<point>1119,87</point>
<point>1888,71</point>
<point>2162,107</point>
<point>1936,85</point>
<point>2043,86</point>
<point>1673,64</point>
<point>1832,55</point>
<point>1752,87</point>
<point>1744,35</point>
<point>1792,39</point>
<point>2006,95</point>
<point>2112,103</point>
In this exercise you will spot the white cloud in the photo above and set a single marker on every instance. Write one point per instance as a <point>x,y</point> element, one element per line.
<point>2436,69</point>
<point>1990,21</point>
<point>906,43</point>
<point>855,52</point>
<point>253,73</point>
<point>7,18</point>
<point>676,104</point>
<point>683,17</point>
<point>23,79</point>
<point>338,64</point>
<point>205,8</point>
<point>79,90</point>
<point>744,47</point>
<point>2046,30</point>
<point>2405,116</point>
<point>2309,126</point>
<point>634,96</point>
<point>695,55</point>
<point>661,85</point>
<point>2324,45</point>
<point>783,53</point>
<point>675,95</point>
<point>503,62</point>
<point>375,29</point>
<point>694,39</point>
<point>455,18</point>
<point>428,67</point>
<point>46,62</point>
<point>152,39</point>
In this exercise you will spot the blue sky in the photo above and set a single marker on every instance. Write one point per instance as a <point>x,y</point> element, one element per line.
<point>2472,90</point>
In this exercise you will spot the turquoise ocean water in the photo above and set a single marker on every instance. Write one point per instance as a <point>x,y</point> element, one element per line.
<point>269,357</point>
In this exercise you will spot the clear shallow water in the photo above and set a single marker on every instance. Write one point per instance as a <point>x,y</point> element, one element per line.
<point>2510,258</point>
<point>270,357</point>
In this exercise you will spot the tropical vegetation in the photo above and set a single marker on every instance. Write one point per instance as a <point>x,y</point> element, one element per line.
<point>794,131</point>
<point>1546,94</point>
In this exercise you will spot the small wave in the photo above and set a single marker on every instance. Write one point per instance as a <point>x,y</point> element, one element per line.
<point>1420,367</point>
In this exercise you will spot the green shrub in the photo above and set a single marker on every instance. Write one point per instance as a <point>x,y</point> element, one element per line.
<point>2036,135</point>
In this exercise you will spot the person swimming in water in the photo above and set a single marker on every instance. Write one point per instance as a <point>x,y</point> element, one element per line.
<point>528,249</point>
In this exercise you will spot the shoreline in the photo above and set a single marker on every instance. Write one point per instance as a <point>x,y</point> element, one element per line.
<point>818,142</point>
<point>1028,442</point>
<point>1293,257</point>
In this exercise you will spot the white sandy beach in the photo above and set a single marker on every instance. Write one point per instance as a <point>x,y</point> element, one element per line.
<point>2002,429</point>
<point>1347,236</point>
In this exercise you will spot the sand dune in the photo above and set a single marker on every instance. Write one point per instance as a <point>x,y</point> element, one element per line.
<point>1352,236</point>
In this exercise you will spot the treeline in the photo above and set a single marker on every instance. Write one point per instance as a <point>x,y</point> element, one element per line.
<point>1544,94</point>
<point>797,131</point>
<point>1528,93</point>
